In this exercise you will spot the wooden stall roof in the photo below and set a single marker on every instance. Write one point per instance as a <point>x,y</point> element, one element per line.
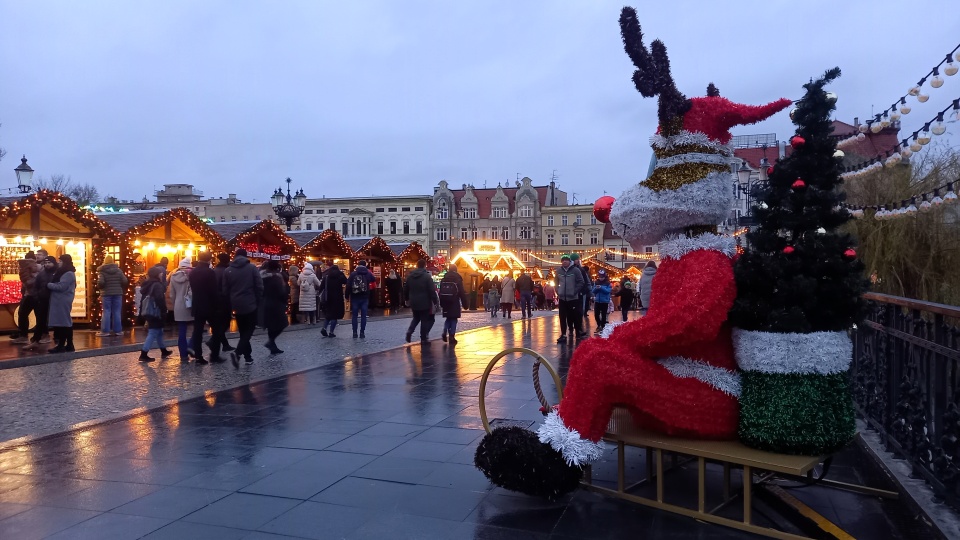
<point>411,252</point>
<point>325,243</point>
<point>375,248</point>
<point>594,264</point>
<point>183,224</point>
<point>15,214</point>
<point>268,232</point>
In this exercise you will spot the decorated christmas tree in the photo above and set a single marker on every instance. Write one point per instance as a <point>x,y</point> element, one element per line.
<point>799,287</point>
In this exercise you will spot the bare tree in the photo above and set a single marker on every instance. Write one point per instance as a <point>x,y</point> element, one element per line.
<point>83,194</point>
<point>55,182</point>
<point>2,151</point>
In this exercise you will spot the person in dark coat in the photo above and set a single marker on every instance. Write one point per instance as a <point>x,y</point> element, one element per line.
<point>221,312</point>
<point>112,283</point>
<point>243,284</point>
<point>453,296</point>
<point>42,307</point>
<point>331,298</point>
<point>203,284</point>
<point>276,294</point>
<point>359,284</point>
<point>63,288</point>
<point>627,293</point>
<point>394,290</point>
<point>421,295</point>
<point>154,289</point>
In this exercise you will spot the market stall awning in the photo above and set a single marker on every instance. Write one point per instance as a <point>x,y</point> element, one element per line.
<point>376,250</point>
<point>51,214</point>
<point>487,257</point>
<point>262,239</point>
<point>411,252</point>
<point>595,264</point>
<point>169,226</point>
<point>325,244</point>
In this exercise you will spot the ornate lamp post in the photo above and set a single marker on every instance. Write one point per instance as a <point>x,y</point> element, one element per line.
<point>24,176</point>
<point>288,207</point>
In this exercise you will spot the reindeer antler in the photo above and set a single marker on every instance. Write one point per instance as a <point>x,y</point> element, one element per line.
<point>652,77</point>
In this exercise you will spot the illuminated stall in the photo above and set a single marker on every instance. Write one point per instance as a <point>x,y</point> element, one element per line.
<point>323,246</point>
<point>263,240</point>
<point>380,259</point>
<point>486,259</point>
<point>593,264</point>
<point>407,255</point>
<point>52,221</point>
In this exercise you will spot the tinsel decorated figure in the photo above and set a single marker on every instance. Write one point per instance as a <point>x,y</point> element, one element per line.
<point>674,368</point>
<point>799,292</point>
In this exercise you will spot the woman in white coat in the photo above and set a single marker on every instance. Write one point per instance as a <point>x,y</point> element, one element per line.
<point>180,294</point>
<point>309,287</point>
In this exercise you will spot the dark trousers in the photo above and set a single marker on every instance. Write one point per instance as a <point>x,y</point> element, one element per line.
<point>273,334</point>
<point>196,341</point>
<point>246,323</point>
<point>526,304</point>
<point>600,313</point>
<point>28,304</point>
<point>42,309</point>
<point>427,318</point>
<point>63,337</point>
<point>570,316</point>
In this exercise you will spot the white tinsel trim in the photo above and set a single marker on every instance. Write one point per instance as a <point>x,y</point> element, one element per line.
<point>678,246</point>
<point>771,352</point>
<point>576,450</point>
<point>724,380</point>
<point>650,215</point>
<point>694,157</point>
<point>685,138</point>
<point>608,329</point>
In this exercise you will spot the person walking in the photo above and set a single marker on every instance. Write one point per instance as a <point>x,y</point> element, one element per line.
<point>627,294</point>
<point>508,290</point>
<point>333,300</point>
<point>153,308</point>
<point>42,307</point>
<point>394,290</point>
<point>453,298</point>
<point>181,296</point>
<point>112,283</point>
<point>309,289</point>
<point>492,301</point>
<point>242,283</point>
<point>29,269</point>
<point>587,292</point>
<point>421,295</point>
<point>550,295</point>
<point>162,265</point>
<point>222,312</point>
<point>276,294</point>
<point>569,294</point>
<point>525,288</point>
<point>359,285</point>
<point>293,281</point>
<point>63,288</point>
<point>203,284</point>
<point>601,294</point>
<point>646,281</point>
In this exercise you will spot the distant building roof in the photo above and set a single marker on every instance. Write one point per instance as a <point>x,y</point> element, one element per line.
<point>124,221</point>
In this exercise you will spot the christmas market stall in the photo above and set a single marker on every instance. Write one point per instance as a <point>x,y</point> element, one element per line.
<point>323,246</point>
<point>486,259</point>
<point>407,255</point>
<point>380,259</point>
<point>51,221</point>
<point>594,263</point>
<point>263,240</point>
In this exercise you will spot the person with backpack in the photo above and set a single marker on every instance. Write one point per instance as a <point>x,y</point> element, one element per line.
<point>181,296</point>
<point>153,309</point>
<point>601,293</point>
<point>359,284</point>
<point>309,290</point>
<point>586,293</point>
<point>332,300</point>
<point>421,294</point>
<point>453,296</point>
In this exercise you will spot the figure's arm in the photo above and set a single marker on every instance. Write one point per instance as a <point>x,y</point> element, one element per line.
<point>739,114</point>
<point>698,292</point>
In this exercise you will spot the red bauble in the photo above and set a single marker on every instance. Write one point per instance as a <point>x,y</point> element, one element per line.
<point>850,253</point>
<point>788,250</point>
<point>797,141</point>
<point>799,184</point>
<point>769,170</point>
<point>601,208</point>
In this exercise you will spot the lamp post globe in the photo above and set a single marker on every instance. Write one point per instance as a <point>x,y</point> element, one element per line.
<point>288,207</point>
<point>24,176</point>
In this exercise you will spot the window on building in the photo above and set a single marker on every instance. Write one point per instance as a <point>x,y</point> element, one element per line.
<point>419,227</point>
<point>505,233</point>
<point>345,229</point>
<point>579,220</point>
<point>623,254</point>
<point>593,219</point>
<point>333,210</point>
<point>526,210</point>
<point>379,227</point>
<point>500,211</point>
<point>578,238</point>
<point>648,250</point>
<point>442,252</point>
<point>244,218</point>
<point>233,218</point>
<point>550,221</point>
<point>404,208</point>
<point>394,209</point>
<point>526,232</point>
<point>469,213</point>
<point>441,234</point>
<point>610,256</point>
<point>308,211</point>
<point>393,227</point>
<point>563,220</point>
<point>344,210</point>
<point>333,226</point>
<point>196,208</point>
<point>442,210</point>
<point>564,239</point>
<point>494,233</point>
<point>463,233</point>
<point>418,209</point>
<point>309,226</point>
<point>378,209</point>
<point>475,233</point>
<point>406,226</point>
<point>483,234</point>
<point>322,211</point>
<point>319,225</point>
<point>550,240</point>
<point>257,217</point>
<point>594,238</point>
<point>223,218</point>
<point>525,255</point>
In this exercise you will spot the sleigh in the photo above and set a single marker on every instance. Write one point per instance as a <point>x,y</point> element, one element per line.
<point>721,472</point>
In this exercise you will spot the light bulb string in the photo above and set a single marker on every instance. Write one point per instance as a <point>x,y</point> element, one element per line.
<point>913,199</point>
<point>938,117</point>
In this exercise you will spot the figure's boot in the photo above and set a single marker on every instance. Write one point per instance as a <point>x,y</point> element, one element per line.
<point>515,459</point>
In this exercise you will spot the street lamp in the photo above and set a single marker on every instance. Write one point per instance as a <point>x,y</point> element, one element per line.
<point>24,176</point>
<point>288,207</point>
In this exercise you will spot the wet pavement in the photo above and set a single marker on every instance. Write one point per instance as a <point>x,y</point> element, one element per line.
<point>377,445</point>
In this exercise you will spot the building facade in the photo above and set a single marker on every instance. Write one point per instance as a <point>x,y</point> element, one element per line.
<point>568,229</point>
<point>396,219</point>
<point>509,215</point>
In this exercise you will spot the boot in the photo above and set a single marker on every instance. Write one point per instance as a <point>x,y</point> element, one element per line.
<point>144,357</point>
<point>164,353</point>
<point>443,336</point>
<point>515,459</point>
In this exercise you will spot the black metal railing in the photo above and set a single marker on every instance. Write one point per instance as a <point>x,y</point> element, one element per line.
<point>906,383</point>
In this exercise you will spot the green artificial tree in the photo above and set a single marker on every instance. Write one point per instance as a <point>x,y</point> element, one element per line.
<point>799,289</point>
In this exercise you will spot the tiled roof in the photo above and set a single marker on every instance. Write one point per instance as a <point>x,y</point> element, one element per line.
<point>874,144</point>
<point>357,243</point>
<point>302,238</point>
<point>124,221</point>
<point>484,195</point>
<point>232,229</point>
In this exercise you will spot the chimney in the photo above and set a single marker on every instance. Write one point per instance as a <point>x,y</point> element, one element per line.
<point>856,122</point>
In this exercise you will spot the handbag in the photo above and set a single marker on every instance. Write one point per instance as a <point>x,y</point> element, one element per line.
<point>149,308</point>
<point>188,298</point>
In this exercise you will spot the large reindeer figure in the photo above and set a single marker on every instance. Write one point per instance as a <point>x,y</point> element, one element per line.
<point>674,368</point>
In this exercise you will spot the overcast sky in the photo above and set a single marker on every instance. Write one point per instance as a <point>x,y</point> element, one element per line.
<point>361,97</point>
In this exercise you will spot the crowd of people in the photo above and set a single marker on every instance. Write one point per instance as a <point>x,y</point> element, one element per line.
<point>204,294</point>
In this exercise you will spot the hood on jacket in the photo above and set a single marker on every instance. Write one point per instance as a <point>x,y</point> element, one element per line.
<point>180,276</point>
<point>239,262</point>
<point>365,270</point>
<point>649,271</point>
<point>109,268</point>
<point>307,270</point>
<point>419,273</point>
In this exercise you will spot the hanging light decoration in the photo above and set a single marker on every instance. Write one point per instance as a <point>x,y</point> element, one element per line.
<point>950,69</point>
<point>951,196</point>
<point>925,206</point>
<point>880,214</point>
<point>905,151</point>
<point>939,128</point>
<point>924,137</point>
<point>936,200</point>
<point>937,80</point>
<point>915,90</point>
<point>894,114</point>
<point>885,121</point>
<point>956,108</point>
<point>915,145</point>
<point>904,108</point>
<point>911,209</point>
<point>892,160</point>
<point>861,136</point>
<point>922,98</point>
<point>875,127</point>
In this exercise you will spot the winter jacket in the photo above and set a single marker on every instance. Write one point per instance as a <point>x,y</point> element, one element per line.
<point>309,289</point>
<point>569,283</point>
<point>508,288</point>
<point>221,308</point>
<point>332,293</point>
<point>294,282</point>
<point>40,289</point>
<point>62,293</point>
<point>29,269</point>
<point>525,283</point>
<point>627,294</point>
<point>601,291</point>
<point>364,273</point>
<point>155,289</point>
<point>587,282</point>
<point>111,281</point>
<point>451,305</point>
<point>420,291</point>
<point>493,298</point>
<point>549,292</point>
<point>275,296</point>
<point>646,281</point>
<point>179,291</point>
<point>203,285</point>
<point>242,283</point>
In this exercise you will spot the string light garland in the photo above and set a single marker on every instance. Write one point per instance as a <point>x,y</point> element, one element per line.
<point>248,236</point>
<point>328,235</point>
<point>920,203</point>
